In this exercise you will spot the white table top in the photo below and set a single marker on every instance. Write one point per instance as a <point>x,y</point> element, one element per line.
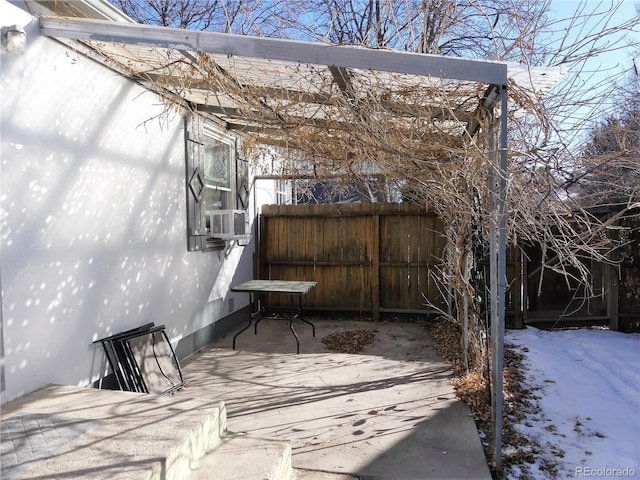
<point>275,286</point>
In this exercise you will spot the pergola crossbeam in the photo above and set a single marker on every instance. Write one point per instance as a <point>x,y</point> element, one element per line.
<point>173,83</point>
<point>276,49</point>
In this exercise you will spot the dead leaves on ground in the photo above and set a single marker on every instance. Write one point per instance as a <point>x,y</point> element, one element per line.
<point>519,401</point>
<point>352,341</point>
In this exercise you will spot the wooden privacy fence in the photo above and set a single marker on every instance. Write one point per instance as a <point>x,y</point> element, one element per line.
<point>369,258</point>
<point>613,294</point>
<point>383,258</point>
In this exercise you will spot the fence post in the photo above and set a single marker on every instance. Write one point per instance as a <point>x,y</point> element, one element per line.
<point>613,295</point>
<point>375,267</point>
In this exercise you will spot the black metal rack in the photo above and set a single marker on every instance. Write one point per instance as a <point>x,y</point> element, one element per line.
<point>125,366</point>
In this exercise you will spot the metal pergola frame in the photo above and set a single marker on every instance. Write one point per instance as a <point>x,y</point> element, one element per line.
<point>339,60</point>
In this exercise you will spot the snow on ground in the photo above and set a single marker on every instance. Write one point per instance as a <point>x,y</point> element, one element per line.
<point>588,384</point>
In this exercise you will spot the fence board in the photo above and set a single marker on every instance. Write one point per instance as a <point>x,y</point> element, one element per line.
<point>367,258</point>
<point>382,258</point>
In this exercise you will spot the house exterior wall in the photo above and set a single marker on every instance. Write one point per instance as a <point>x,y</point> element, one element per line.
<point>93,221</point>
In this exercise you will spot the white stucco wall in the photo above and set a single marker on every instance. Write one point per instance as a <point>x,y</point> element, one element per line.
<point>93,220</point>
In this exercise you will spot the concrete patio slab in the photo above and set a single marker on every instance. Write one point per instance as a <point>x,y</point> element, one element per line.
<point>388,412</point>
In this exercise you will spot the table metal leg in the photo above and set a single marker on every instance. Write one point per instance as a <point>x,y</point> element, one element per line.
<point>260,317</point>
<point>313,327</point>
<point>252,301</point>
<point>245,328</point>
<point>299,316</point>
<point>295,335</point>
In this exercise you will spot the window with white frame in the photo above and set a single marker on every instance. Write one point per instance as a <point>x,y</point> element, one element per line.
<point>215,203</point>
<point>218,191</point>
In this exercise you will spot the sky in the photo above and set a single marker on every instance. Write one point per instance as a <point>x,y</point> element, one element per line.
<point>623,10</point>
<point>588,387</point>
<point>597,75</point>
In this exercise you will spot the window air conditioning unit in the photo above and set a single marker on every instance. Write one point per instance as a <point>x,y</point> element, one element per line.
<point>228,224</point>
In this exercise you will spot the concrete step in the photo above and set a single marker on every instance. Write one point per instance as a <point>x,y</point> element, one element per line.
<point>77,433</point>
<point>238,457</point>
<point>303,474</point>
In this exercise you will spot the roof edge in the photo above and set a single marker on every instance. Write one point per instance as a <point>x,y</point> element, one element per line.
<point>94,9</point>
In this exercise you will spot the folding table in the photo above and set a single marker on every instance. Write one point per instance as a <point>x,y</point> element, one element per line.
<point>256,288</point>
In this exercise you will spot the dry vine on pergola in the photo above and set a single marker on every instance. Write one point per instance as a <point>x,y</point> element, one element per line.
<point>422,138</point>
